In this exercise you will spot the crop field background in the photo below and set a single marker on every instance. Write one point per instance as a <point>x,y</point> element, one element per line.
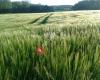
<point>70,42</point>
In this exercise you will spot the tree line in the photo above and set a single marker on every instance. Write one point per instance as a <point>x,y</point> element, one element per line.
<point>22,7</point>
<point>6,6</point>
<point>87,5</point>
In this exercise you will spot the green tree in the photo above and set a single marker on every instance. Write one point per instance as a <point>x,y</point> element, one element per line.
<point>87,5</point>
<point>5,6</point>
<point>20,6</point>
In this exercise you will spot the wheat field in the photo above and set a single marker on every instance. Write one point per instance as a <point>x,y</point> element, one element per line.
<point>70,42</point>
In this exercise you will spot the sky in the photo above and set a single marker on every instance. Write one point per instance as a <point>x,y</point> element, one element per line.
<point>52,2</point>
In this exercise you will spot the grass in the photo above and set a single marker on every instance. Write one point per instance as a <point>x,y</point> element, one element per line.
<point>71,42</point>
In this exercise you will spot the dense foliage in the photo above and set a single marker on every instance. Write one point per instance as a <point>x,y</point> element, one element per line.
<point>87,5</point>
<point>23,6</point>
<point>5,6</point>
<point>26,7</point>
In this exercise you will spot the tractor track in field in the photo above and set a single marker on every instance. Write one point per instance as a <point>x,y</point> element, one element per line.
<point>45,19</point>
<point>41,20</point>
<point>37,19</point>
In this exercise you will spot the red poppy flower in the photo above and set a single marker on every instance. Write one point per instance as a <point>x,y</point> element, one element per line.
<point>40,51</point>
